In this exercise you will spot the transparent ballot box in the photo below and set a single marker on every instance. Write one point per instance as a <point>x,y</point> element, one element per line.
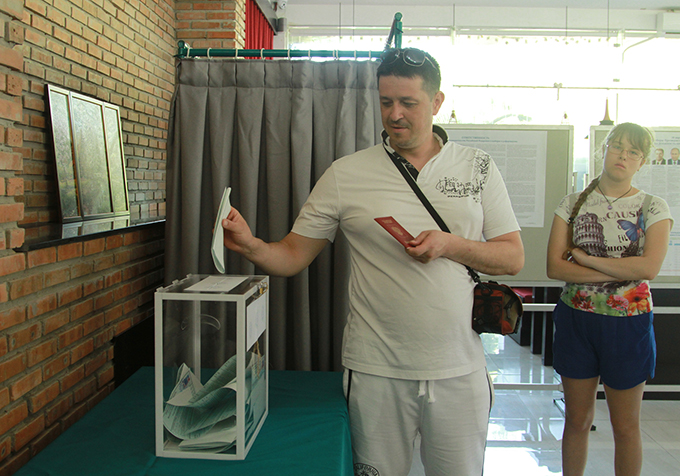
<point>211,365</point>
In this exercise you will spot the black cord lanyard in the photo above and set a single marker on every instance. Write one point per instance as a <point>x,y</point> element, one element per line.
<point>426,203</point>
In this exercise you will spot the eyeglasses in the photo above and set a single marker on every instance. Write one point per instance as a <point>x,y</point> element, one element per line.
<point>410,56</point>
<point>617,151</point>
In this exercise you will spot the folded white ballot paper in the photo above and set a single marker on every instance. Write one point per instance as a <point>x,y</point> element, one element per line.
<point>218,231</point>
<point>203,416</point>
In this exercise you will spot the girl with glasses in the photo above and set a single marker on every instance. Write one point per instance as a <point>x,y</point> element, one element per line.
<point>606,243</point>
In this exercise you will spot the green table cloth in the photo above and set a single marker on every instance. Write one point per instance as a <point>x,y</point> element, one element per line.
<point>305,433</point>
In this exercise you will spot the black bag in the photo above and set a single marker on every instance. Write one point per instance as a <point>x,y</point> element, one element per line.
<point>497,309</point>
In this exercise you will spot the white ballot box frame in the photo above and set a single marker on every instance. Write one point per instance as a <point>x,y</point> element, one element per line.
<point>251,332</point>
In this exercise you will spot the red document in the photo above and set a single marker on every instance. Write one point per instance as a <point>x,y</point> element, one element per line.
<point>395,229</point>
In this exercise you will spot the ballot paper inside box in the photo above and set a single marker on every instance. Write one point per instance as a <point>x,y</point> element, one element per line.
<point>211,365</point>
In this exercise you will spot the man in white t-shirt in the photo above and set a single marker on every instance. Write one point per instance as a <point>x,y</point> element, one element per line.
<point>413,363</point>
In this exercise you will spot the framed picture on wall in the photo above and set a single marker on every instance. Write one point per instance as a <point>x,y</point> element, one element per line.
<point>88,153</point>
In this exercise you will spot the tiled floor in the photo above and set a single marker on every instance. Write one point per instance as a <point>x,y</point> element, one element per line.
<point>525,427</point>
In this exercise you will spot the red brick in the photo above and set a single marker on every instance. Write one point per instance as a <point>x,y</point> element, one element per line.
<point>14,85</point>
<point>14,8</point>
<point>70,251</point>
<point>4,296</point>
<point>70,295</point>
<point>104,300</point>
<point>12,264</point>
<point>41,398</point>
<point>72,378</point>
<point>53,323</point>
<point>104,262</point>
<point>56,365</point>
<point>130,305</point>
<point>43,256</point>
<point>42,305</point>
<point>70,336</point>
<point>11,212</point>
<point>105,377</point>
<point>80,269</point>
<point>93,323</point>
<point>94,246</point>
<point>122,326</point>
<point>58,409</point>
<point>123,257</point>
<point>12,58</point>
<point>82,350</point>
<point>93,365</point>
<point>15,187</point>
<point>84,390</point>
<point>25,286</point>
<point>10,160</point>
<point>15,137</point>
<point>3,345</point>
<point>25,384</point>
<point>114,313</point>
<point>57,276</point>
<point>113,278</point>
<point>5,447</point>
<point>45,438</point>
<point>131,238</point>
<point>114,241</point>
<point>28,432</point>
<point>92,286</point>
<point>16,461</point>
<point>76,413</point>
<point>11,367</point>
<point>121,292</point>
<point>11,418</point>
<point>12,317</point>
<point>24,336</point>
<point>15,238</point>
<point>82,309</point>
<point>41,352</point>
<point>4,397</point>
<point>103,337</point>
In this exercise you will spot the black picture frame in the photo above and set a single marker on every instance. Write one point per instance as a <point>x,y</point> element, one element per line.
<point>89,158</point>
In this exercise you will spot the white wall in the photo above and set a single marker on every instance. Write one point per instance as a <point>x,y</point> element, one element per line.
<point>330,19</point>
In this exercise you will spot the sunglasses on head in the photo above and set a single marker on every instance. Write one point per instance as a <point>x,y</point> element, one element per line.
<point>410,56</point>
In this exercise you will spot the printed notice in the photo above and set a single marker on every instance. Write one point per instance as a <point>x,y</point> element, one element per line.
<point>520,156</point>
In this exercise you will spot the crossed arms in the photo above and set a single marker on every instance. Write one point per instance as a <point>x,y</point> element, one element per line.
<point>593,269</point>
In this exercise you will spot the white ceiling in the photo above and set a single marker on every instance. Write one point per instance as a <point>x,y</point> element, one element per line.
<point>600,4</point>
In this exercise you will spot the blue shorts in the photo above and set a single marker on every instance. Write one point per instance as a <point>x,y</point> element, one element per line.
<point>620,350</point>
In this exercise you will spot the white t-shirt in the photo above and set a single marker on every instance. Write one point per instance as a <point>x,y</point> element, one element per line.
<point>408,319</point>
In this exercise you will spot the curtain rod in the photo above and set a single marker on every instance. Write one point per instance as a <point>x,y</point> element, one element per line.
<point>185,51</point>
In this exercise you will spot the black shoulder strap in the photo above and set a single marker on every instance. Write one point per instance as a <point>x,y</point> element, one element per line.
<point>426,203</point>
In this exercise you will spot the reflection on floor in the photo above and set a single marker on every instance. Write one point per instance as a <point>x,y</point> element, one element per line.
<point>525,427</point>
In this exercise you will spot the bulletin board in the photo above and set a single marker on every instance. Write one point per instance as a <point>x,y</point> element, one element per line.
<point>537,165</point>
<point>658,179</point>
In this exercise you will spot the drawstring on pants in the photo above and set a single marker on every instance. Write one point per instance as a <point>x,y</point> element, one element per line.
<point>427,386</point>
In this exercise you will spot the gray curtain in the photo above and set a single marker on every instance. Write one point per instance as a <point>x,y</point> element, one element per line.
<point>269,129</point>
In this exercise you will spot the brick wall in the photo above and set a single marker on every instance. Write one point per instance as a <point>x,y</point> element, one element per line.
<point>211,24</point>
<point>61,306</point>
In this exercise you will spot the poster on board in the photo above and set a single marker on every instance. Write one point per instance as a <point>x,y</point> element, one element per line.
<point>660,175</point>
<point>521,159</point>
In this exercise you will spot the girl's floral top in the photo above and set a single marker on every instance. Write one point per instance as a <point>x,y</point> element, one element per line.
<point>614,233</point>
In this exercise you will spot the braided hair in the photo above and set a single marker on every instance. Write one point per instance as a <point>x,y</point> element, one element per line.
<point>640,137</point>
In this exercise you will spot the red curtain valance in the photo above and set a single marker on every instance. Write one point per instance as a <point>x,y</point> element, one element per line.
<point>259,33</point>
